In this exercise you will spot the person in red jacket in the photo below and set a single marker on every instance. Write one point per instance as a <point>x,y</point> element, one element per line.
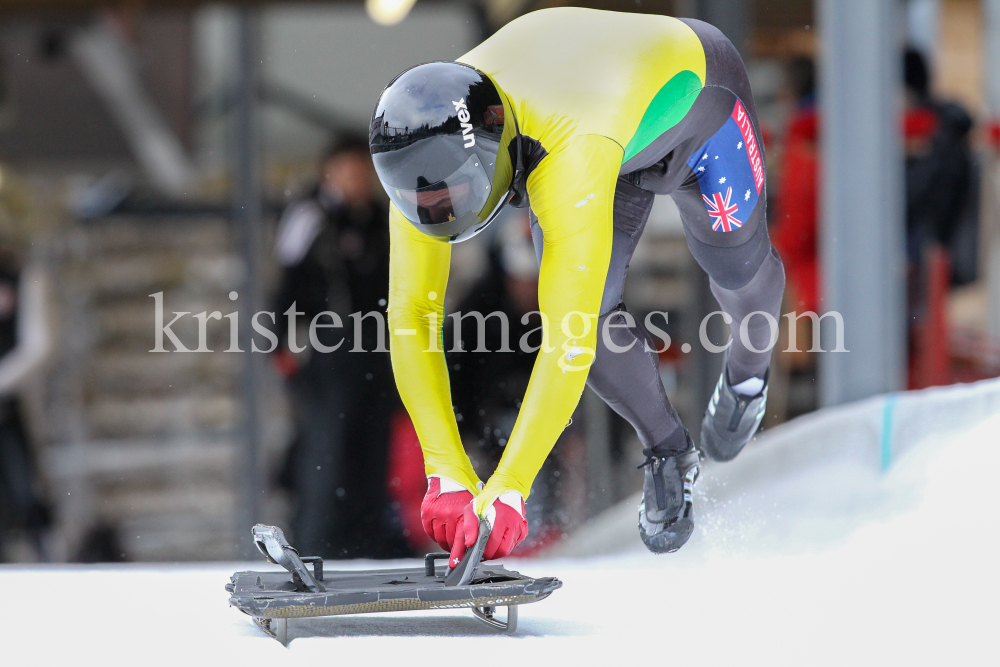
<point>795,230</point>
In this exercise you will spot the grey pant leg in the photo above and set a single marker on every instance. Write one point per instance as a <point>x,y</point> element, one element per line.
<point>761,294</point>
<point>628,381</point>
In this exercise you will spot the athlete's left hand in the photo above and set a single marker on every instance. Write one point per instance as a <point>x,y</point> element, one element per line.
<point>509,527</point>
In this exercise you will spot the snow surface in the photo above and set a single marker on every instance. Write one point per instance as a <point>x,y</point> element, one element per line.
<point>912,578</point>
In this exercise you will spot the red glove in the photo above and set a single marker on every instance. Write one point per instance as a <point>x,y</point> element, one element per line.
<point>443,509</point>
<point>510,528</point>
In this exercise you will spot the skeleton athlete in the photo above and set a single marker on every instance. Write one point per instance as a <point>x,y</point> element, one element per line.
<point>582,116</point>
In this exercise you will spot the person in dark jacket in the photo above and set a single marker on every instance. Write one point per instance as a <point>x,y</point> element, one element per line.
<point>941,176</point>
<point>489,382</point>
<point>333,247</point>
<point>25,344</point>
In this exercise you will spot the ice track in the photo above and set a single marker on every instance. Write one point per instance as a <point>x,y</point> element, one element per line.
<point>805,555</point>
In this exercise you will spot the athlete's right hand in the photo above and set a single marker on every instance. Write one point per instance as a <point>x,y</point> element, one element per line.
<point>443,508</point>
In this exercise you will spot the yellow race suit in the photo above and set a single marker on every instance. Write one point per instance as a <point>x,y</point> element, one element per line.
<point>592,89</point>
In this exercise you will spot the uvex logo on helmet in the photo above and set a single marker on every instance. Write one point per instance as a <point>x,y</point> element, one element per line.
<point>463,118</point>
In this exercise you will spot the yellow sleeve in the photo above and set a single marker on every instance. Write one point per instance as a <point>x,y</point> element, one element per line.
<point>418,276</point>
<point>572,193</point>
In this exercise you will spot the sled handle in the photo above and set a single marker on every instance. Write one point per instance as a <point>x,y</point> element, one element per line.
<point>429,559</point>
<point>462,574</point>
<point>317,562</point>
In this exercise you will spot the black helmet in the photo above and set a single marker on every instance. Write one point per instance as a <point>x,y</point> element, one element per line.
<point>441,148</point>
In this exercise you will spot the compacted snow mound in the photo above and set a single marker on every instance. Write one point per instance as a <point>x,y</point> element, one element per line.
<point>810,482</point>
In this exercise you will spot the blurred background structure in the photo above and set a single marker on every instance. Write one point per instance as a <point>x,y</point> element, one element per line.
<point>154,154</point>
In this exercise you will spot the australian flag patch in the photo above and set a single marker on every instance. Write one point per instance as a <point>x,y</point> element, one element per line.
<point>730,172</point>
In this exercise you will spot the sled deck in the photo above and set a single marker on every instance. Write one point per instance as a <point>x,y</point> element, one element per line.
<point>273,597</point>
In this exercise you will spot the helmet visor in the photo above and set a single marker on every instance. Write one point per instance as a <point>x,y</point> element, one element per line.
<point>464,192</point>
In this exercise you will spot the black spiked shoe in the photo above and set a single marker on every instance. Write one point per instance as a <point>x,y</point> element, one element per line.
<point>666,519</point>
<point>731,419</point>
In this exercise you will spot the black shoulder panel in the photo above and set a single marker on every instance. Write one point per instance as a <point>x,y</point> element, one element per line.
<point>530,153</point>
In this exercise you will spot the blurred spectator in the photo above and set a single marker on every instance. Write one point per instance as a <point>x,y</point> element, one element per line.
<point>25,343</point>
<point>795,228</point>
<point>794,233</point>
<point>333,247</point>
<point>941,218</point>
<point>487,387</point>
<point>941,197</point>
<point>941,176</point>
<point>941,181</point>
